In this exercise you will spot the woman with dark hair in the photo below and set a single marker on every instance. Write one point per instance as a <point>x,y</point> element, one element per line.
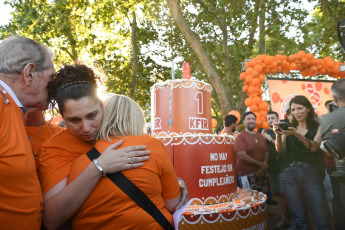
<point>74,91</point>
<point>303,166</point>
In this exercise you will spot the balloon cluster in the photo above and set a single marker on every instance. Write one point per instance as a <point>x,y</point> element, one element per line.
<point>259,66</point>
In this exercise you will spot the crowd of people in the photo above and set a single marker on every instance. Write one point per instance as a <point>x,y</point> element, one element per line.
<point>68,177</point>
<point>290,159</point>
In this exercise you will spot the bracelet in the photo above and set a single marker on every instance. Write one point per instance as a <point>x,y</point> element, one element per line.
<point>98,166</point>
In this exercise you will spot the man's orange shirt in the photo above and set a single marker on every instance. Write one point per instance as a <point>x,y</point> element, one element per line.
<point>21,201</point>
<point>57,156</point>
<point>38,135</point>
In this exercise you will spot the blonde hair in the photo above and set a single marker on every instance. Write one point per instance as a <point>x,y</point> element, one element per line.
<point>122,117</point>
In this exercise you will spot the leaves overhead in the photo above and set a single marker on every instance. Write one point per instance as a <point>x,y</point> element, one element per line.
<point>99,34</point>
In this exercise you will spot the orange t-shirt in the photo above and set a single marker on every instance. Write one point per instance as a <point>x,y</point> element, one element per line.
<point>57,156</point>
<point>108,207</point>
<point>38,135</point>
<point>21,201</point>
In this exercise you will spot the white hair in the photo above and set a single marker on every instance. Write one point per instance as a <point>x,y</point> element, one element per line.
<point>18,51</point>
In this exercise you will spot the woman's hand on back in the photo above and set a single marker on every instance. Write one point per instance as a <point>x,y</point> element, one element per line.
<point>116,160</point>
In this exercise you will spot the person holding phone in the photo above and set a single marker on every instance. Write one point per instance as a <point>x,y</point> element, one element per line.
<point>303,166</point>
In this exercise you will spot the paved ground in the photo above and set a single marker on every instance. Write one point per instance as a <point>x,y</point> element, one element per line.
<point>274,216</point>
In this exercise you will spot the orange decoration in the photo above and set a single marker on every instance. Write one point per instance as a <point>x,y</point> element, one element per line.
<point>293,66</point>
<point>262,113</point>
<point>258,68</point>
<point>236,114</point>
<point>262,65</point>
<point>255,74</point>
<point>249,70</point>
<point>214,123</point>
<point>251,90</point>
<point>326,90</point>
<point>249,78</point>
<point>335,69</point>
<point>263,106</point>
<point>275,97</point>
<point>243,76</point>
<point>254,108</point>
<point>248,102</point>
<point>256,81</point>
<point>257,101</point>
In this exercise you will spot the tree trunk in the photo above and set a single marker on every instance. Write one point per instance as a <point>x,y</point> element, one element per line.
<point>262,19</point>
<point>253,29</point>
<point>194,42</point>
<point>330,11</point>
<point>135,59</point>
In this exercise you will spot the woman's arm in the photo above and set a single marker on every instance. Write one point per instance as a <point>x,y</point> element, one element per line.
<point>171,205</point>
<point>313,145</point>
<point>62,201</point>
<point>184,194</point>
<point>280,138</point>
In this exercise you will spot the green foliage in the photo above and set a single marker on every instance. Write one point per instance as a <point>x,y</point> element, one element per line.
<point>99,33</point>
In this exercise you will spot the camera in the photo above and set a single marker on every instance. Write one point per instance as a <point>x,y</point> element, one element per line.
<point>336,145</point>
<point>332,107</point>
<point>284,125</point>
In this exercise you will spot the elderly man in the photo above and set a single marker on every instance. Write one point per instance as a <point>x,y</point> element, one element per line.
<point>330,121</point>
<point>26,67</point>
<point>251,155</point>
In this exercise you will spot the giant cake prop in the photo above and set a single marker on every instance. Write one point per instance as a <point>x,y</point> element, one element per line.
<point>181,119</point>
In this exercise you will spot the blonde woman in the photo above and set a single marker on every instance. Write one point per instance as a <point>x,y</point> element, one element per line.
<point>107,207</point>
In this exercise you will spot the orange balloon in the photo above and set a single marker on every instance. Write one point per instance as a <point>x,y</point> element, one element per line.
<point>248,102</point>
<point>243,76</point>
<point>245,88</point>
<point>262,113</point>
<point>255,74</point>
<point>257,101</point>
<point>254,108</point>
<point>258,68</point>
<point>255,81</point>
<point>291,58</point>
<point>335,69</point>
<point>286,70</point>
<point>249,70</point>
<point>263,106</point>
<point>293,66</point>
<point>236,114</point>
<point>249,78</point>
<point>258,123</point>
<point>214,123</point>
<point>251,89</point>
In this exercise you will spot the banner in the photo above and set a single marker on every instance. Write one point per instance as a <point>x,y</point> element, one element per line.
<point>282,90</point>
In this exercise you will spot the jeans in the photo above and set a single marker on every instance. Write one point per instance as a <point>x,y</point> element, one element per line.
<point>304,191</point>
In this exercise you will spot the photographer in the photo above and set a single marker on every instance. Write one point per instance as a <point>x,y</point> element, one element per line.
<point>329,122</point>
<point>303,166</point>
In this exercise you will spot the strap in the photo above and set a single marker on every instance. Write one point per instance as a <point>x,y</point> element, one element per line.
<point>134,193</point>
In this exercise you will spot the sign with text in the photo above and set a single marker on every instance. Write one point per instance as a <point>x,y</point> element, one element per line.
<point>206,164</point>
<point>181,107</point>
<point>281,92</point>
